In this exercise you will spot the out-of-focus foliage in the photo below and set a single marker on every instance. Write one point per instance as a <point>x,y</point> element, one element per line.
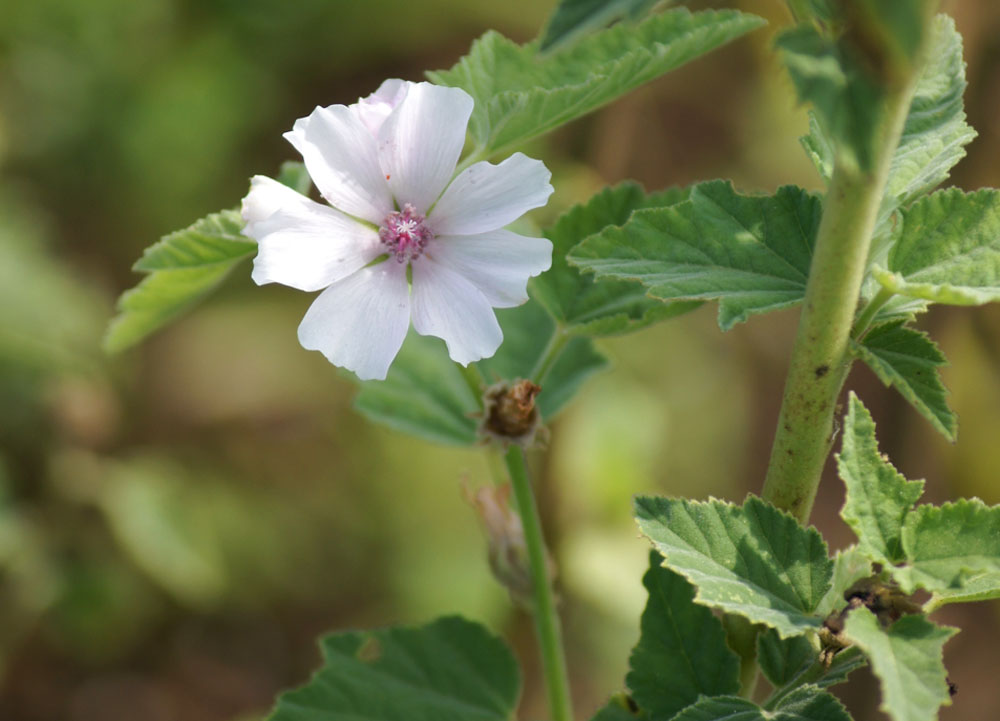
<point>177,525</point>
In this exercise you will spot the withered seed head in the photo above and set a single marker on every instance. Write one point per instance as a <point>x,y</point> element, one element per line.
<point>510,414</point>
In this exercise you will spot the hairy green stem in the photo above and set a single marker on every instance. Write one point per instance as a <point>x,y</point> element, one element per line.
<point>547,625</point>
<point>820,359</point>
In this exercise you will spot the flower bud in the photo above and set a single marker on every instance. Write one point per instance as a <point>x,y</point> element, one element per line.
<point>507,552</point>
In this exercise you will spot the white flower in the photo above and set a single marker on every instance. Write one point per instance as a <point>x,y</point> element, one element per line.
<point>403,241</point>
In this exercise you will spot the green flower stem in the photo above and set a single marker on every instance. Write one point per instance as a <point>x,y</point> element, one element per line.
<point>474,380</point>
<point>551,354</point>
<point>820,359</point>
<point>546,618</point>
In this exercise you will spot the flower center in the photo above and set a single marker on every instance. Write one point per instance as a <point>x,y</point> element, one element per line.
<point>404,233</point>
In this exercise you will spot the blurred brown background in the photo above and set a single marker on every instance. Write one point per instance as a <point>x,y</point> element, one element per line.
<point>178,524</point>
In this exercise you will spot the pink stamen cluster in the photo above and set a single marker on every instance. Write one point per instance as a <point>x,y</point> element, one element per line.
<point>405,234</point>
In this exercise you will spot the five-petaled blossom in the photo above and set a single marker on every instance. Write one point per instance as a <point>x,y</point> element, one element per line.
<point>401,240</point>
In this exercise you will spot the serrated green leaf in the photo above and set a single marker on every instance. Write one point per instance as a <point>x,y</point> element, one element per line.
<point>682,652</point>
<point>184,267</point>
<point>791,662</point>
<point>804,704</point>
<point>752,560</point>
<point>579,303</point>
<point>850,565</point>
<point>423,394</point>
<point>847,100</point>
<point>750,252</point>
<point>906,658</point>
<point>935,134</point>
<point>819,148</point>
<point>908,360</point>
<point>450,670</point>
<point>528,331</point>
<point>878,496</point>
<point>948,250</point>
<point>573,18</point>
<point>932,141</point>
<point>945,546</point>
<point>898,308</point>
<point>519,95</point>
<point>215,239</point>
<point>781,660</point>
<point>983,586</point>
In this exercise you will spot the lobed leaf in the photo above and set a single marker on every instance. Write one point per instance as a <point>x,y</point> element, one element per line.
<point>878,496</point>
<point>519,95</point>
<point>908,360</point>
<point>750,252</point>
<point>907,660</point>
<point>788,662</point>
<point>850,565</point>
<point>804,704</point>
<point>752,560</point>
<point>425,395</point>
<point>982,586</point>
<point>184,267</point>
<point>573,18</point>
<point>528,331</point>
<point>845,73</point>
<point>449,670</point>
<point>847,100</point>
<point>935,133</point>
<point>945,546</point>
<point>782,660</point>
<point>578,302</point>
<point>948,250</point>
<point>682,652</point>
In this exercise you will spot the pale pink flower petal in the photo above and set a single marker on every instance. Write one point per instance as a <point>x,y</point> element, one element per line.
<point>374,109</point>
<point>303,244</point>
<point>267,196</point>
<point>420,141</point>
<point>341,157</point>
<point>486,197</point>
<point>359,323</point>
<point>498,263</point>
<point>448,306</point>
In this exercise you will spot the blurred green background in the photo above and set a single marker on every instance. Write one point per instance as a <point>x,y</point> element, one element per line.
<point>177,524</point>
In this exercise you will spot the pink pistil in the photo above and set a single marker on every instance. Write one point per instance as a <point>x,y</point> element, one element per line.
<point>405,234</point>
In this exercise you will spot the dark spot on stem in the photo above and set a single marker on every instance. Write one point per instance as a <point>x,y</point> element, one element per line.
<point>822,370</point>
